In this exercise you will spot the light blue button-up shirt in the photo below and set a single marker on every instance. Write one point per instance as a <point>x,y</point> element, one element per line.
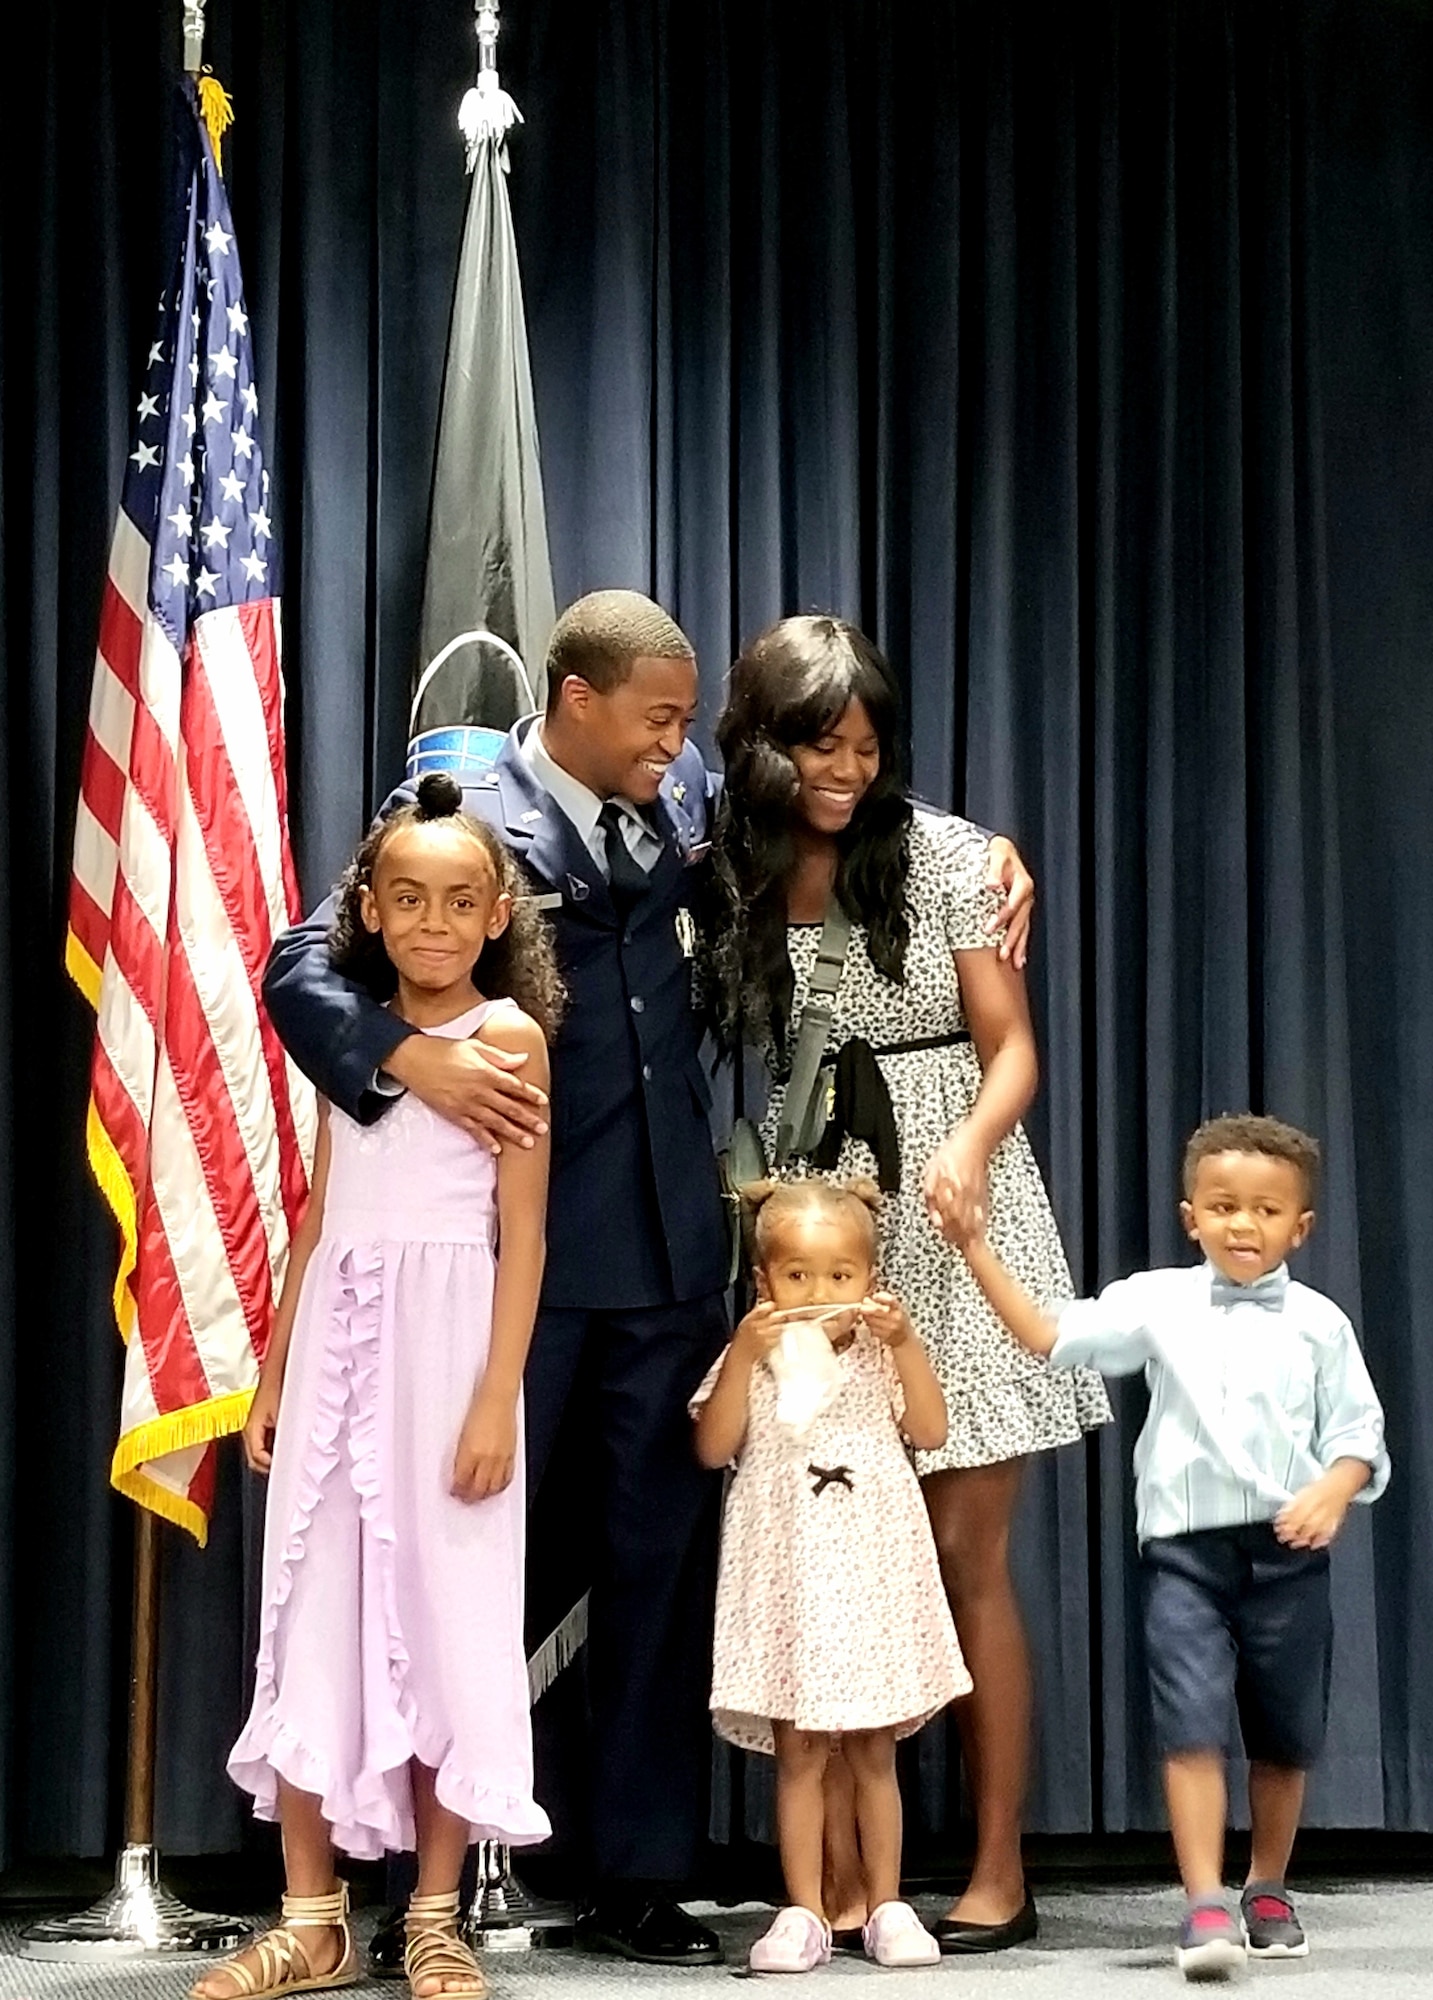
<point>1249,1401</point>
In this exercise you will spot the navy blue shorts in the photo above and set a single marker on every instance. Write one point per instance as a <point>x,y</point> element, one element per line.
<point>1233,1620</point>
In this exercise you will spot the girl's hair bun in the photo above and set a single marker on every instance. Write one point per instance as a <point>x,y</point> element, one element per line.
<point>439,795</point>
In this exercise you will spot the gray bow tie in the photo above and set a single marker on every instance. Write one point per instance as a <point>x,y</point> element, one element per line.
<point>1267,1291</point>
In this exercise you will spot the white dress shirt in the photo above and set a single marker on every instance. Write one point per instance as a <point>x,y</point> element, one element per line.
<point>1254,1392</point>
<point>583,806</point>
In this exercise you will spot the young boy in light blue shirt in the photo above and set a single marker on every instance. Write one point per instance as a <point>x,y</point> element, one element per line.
<point>1263,1427</point>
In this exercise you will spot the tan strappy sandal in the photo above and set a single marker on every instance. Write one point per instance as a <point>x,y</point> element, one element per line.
<point>284,1965</point>
<point>435,1951</point>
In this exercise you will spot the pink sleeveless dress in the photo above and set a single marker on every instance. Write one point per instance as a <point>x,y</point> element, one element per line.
<point>391,1624</point>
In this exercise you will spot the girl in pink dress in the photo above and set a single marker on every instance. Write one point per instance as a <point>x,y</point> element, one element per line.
<point>391,1705</point>
<point>832,1627</point>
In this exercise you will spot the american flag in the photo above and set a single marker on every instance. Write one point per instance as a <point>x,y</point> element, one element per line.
<point>199,1129</point>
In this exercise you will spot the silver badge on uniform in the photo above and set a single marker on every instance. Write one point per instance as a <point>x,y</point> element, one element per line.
<point>577,889</point>
<point>686,933</point>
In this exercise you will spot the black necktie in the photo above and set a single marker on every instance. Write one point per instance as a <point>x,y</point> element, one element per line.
<point>626,876</point>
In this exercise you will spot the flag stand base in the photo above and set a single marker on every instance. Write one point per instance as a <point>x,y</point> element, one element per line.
<point>504,1917</point>
<point>138,1919</point>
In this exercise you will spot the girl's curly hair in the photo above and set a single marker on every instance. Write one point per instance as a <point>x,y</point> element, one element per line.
<point>789,688</point>
<point>519,965</point>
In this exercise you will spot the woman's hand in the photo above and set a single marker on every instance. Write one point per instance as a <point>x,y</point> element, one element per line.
<point>887,1319</point>
<point>955,1187</point>
<point>260,1426</point>
<point>1007,875</point>
<point>487,1448</point>
<point>759,1332</point>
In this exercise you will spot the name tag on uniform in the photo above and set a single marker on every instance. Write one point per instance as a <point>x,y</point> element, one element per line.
<point>552,901</point>
<point>686,933</point>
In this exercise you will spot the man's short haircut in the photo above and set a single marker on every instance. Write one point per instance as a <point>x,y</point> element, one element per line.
<point>1242,1132</point>
<point>600,636</point>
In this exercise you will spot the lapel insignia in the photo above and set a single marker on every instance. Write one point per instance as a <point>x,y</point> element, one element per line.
<point>578,889</point>
<point>679,792</point>
<point>686,933</point>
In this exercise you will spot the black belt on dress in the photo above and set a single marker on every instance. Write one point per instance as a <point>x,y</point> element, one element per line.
<point>861,1104</point>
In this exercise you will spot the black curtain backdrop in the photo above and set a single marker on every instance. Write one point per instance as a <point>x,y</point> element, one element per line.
<point>1082,353</point>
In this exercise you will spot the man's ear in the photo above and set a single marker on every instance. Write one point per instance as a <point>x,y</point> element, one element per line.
<point>574,695</point>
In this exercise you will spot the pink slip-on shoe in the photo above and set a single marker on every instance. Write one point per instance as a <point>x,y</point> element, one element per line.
<point>798,1941</point>
<point>895,1935</point>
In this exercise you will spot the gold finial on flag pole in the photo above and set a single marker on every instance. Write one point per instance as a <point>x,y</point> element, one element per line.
<point>216,107</point>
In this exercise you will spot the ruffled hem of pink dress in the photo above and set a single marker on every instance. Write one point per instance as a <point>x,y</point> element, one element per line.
<point>373,1813</point>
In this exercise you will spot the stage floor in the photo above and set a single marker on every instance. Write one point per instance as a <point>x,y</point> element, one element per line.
<point>1366,1940</point>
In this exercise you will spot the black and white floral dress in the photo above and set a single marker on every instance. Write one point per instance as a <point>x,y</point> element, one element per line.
<point>1002,1400</point>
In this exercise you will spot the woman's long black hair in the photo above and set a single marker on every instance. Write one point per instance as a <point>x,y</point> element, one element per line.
<point>791,686</point>
<point>519,965</point>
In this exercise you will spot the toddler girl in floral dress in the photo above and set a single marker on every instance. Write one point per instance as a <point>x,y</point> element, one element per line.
<point>832,1625</point>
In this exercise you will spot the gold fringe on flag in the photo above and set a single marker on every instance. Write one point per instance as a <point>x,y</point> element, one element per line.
<point>216,108</point>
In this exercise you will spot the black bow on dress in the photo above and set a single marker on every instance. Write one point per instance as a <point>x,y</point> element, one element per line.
<point>821,1478</point>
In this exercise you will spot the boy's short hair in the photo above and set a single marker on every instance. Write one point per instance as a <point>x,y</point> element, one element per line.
<point>1242,1132</point>
<point>600,636</point>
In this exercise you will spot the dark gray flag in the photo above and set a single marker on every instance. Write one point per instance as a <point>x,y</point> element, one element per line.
<point>487,598</point>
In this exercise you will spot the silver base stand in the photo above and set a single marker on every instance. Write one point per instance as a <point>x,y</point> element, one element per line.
<point>138,1919</point>
<point>504,1917</point>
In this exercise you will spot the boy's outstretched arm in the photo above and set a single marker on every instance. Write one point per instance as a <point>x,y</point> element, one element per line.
<point>1009,1297</point>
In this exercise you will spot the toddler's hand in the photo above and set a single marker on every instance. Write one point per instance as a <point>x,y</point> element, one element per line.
<point>759,1332</point>
<point>259,1428</point>
<point>487,1449</point>
<point>887,1319</point>
<point>1312,1518</point>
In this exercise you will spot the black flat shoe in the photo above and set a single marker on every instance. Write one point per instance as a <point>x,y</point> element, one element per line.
<point>385,1948</point>
<point>954,1937</point>
<point>649,1930</point>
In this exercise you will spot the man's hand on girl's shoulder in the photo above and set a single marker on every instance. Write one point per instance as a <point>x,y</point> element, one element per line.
<point>471,1084</point>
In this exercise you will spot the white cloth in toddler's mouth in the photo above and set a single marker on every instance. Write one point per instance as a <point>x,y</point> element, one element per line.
<point>808,1375</point>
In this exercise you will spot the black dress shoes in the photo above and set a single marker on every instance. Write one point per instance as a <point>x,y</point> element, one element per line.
<point>956,1937</point>
<point>385,1947</point>
<point>649,1929</point>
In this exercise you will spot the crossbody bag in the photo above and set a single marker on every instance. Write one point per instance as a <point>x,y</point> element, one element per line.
<point>807,1102</point>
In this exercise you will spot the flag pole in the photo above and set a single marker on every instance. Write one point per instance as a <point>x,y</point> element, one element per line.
<point>138,1918</point>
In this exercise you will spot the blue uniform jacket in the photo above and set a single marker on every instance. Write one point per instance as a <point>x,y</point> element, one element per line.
<point>634,1212</point>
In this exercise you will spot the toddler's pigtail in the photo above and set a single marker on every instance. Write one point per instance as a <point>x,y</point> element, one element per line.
<point>755,1193</point>
<point>864,1190</point>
